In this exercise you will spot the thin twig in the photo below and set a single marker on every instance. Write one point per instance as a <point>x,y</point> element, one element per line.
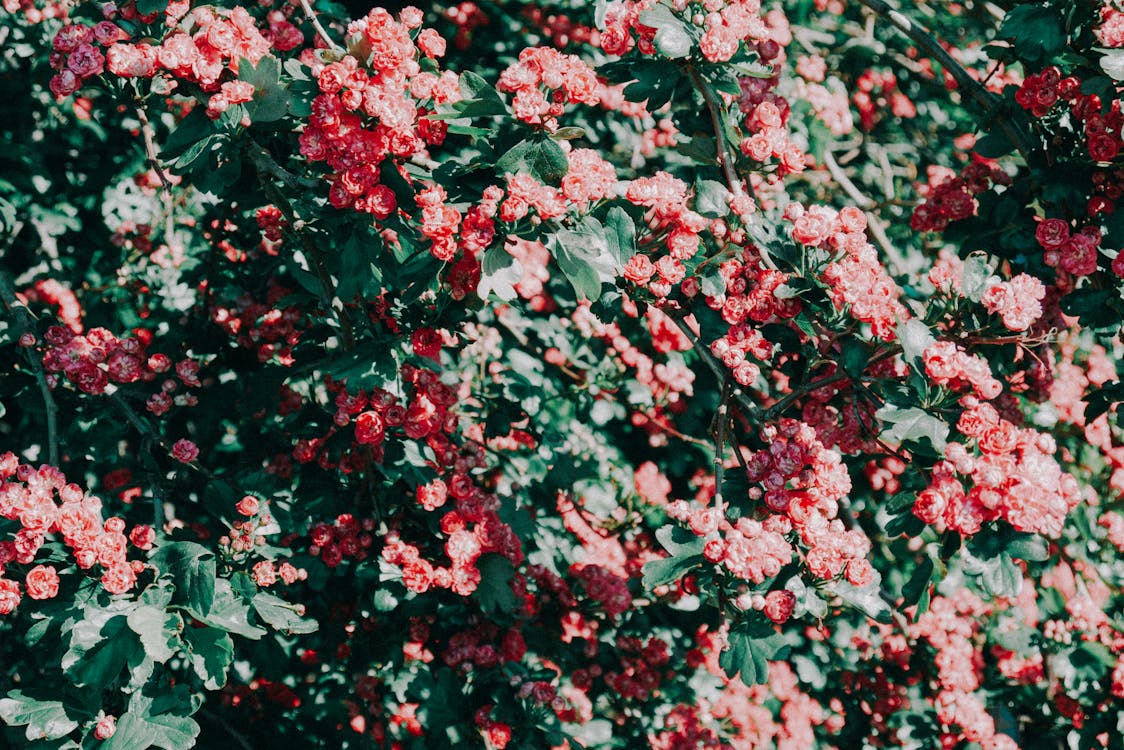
<point>877,231</point>
<point>266,168</point>
<point>725,157</point>
<point>151,154</point>
<point>25,323</point>
<point>932,47</point>
<point>721,419</point>
<point>320,30</point>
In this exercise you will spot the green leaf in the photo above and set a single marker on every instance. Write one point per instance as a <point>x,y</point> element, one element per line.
<point>977,271</point>
<point>654,82</point>
<point>672,36</point>
<point>867,599</point>
<point>494,594</point>
<point>669,569</point>
<point>499,273</point>
<point>912,424</point>
<point>192,569</point>
<point>1001,577</point>
<point>142,727</point>
<point>621,235</point>
<point>281,615</point>
<point>159,631</point>
<point>710,198</point>
<point>685,553</point>
<point>229,613</point>
<point>751,645</point>
<point>918,583</point>
<point>101,645</point>
<point>1103,399</point>
<point>1027,546</point>
<point>678,540</point>
<point>585,258</point>
<point>915,337</point>
<point>1037,32</point>
<point>271,98</point>
<point>45,720</point>
<point>1113,64</point>
<point>211,653</point>
<point>538,156</point>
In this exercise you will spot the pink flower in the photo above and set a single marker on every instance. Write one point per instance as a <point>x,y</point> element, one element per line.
<point>42,582</point>
<point>9,596</point>
<point>185,451</point>
<point>248,506</point>
<point>106,728</point>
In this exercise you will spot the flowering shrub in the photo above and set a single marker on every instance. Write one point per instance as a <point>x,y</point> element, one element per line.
<point>663,374</point>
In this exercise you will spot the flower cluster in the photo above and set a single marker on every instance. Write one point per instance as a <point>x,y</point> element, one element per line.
<point>950,198</point>
<point>1072,252</point>
<point>94,360</point>
<point>857,280</point>
<point>543,72</point>
<point>1011,473</point>
<point>262,326</point>
<point>1018,301</point>
<point>365,115</point>
<point>43,503</point>
<point>950,366</point>
<point>878,92</point>
<point>950,626</point>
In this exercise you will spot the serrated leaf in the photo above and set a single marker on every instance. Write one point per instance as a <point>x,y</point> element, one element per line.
<point>229,612</point>
<point>211,653</point>
<point>977,271</point>
<point>281,615</point>
<point>672,37</point>
<point>540,157</point>
<point>45,720</point>
<point>751,645</point>
<point>499,273</point>
<point>867,599</point>
<point>710,198</point>
<point>494,594</point>
<point>158,631</point>
<point>669,569</point>
<point>141,727</point>
<point>914,337</point>
<point>918,583</point>
<point>100,646</point>
<point>912,424</point>
<point>621,235</point>
<point>191,567</point>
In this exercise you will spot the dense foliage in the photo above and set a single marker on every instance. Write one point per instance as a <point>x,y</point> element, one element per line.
<point>561,374</point>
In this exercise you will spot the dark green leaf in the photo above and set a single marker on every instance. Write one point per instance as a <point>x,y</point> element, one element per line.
<point>494,594</point>
<point>45,720</point>
<point>211,653</point>
<point>191,567</point>
<point>281,615</point>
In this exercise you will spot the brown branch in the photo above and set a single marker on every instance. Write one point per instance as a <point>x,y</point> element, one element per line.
<point>320,30</point>
<point>266,168</point>
<point>151,157</point>
<point>721,422</point>
<point>25,323</point>
<point>722,146</point>
<point>973,88</point>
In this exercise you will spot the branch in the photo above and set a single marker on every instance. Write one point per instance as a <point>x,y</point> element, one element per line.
<point>714,105</point>
<point>320,30</point>
<point>897,262</point>
<point>721,418</point>
<point>25,323</point>
<point>267,167</point>
<point>932,47</point>
<point>151,154</point>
